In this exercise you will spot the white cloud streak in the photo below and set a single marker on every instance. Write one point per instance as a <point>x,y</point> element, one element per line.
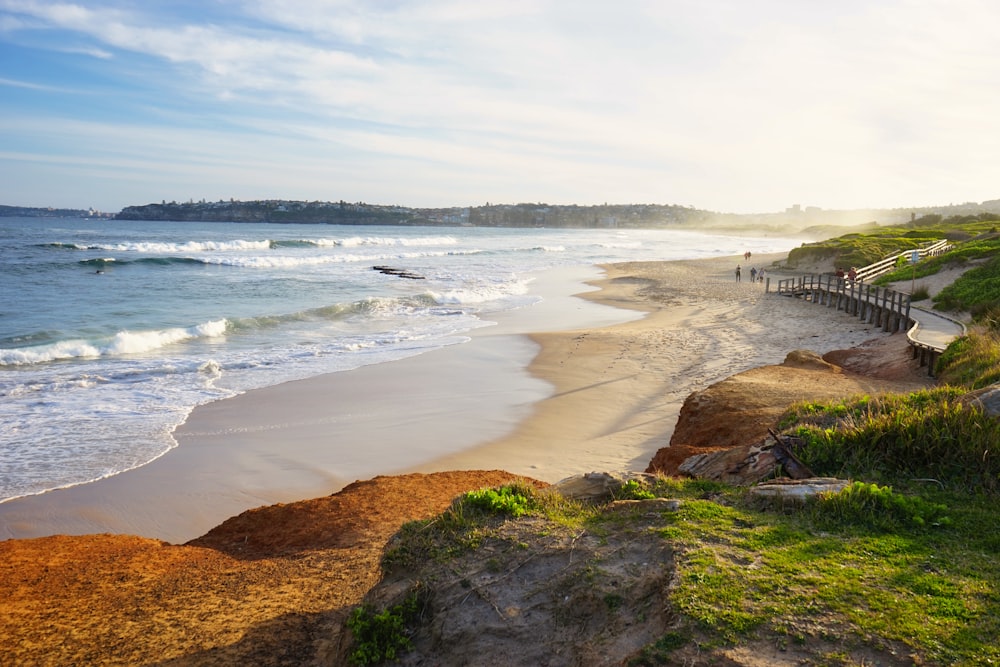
<point>721,104</point>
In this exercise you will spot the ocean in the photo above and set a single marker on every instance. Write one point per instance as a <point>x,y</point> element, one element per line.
<point>111,332</point>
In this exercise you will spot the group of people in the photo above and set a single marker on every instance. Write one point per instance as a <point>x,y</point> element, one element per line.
<point>851,275</point>
<point>755,275</point>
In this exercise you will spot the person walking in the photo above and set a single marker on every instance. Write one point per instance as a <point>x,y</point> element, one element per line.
<point>737,273</point>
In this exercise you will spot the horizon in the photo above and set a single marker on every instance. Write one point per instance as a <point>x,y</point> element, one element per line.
<point>719,106</point>
<point>794,210</point>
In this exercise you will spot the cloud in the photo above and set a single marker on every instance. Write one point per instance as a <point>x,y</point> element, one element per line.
<point>723,104</point>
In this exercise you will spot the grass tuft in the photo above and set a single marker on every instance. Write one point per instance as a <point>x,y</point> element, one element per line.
<point>899,437</point>
<point>972,361</point>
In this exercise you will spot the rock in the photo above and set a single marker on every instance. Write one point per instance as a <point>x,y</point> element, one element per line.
<point>746,464</point>
<point>808,359</point>
<point>987,398</point>
<point>740,466</point>
<point>597,486</point>
<point>799,489</point>
<point>741,408</point>
<point>400,273</point>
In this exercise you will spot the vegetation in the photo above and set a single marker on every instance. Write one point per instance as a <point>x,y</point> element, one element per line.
<point>976,248</point>
<point>972,361</point>
<point>913,571</point>
<point>867,247</point>
<point>634,490</point>
<point>380,636</point>
<point>509,500</point>
<point>878,508</point>
<point>895,438</point>
<point>976,291</point>
<point>839,573</point>
<point>859,249</point>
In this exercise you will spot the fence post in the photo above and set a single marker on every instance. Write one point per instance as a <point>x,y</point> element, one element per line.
<point>887,314</point>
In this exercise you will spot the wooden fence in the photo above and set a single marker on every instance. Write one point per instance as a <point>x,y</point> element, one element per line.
<point>888,264</point>
<point>880,306</point>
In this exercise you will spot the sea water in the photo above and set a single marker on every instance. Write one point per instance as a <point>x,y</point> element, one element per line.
<point>111,332</point>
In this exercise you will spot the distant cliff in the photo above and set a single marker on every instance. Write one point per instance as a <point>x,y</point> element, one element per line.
<point>35,212</point>
<point>269,211</point>
<point>490,215</point>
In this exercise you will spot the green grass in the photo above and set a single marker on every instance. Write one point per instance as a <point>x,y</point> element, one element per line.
<point>510,500</point>
<point>745,570</point>
<point>976,291</point>
<point>972,361</point>
<point>975,238</point>
<point>917,570</point>
<point>899,437</point>
<point>381,635</point>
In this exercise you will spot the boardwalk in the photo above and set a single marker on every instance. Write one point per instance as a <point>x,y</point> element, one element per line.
<point>928,333</point>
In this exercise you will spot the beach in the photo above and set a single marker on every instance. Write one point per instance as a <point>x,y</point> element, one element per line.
<point>599,389</point>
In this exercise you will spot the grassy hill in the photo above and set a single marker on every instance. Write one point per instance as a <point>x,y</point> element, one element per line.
<point>975,248</point>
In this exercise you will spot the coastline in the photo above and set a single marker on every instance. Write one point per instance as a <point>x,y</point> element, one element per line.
<point>675,327</point>
<point>631,379</point>
<point>311,437</point>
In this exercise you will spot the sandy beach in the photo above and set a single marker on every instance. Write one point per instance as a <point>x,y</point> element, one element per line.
<point>602,392</point>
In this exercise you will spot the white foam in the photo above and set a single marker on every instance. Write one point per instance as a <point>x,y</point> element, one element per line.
<point>122,343</point>
<point>152,247</point>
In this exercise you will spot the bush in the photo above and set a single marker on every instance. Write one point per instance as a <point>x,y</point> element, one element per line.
<point>920,293</point>
<point>510,500</point>
<point>633,489</point>
<point>380,636</point>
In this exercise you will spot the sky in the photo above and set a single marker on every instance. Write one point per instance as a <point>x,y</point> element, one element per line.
<point>724,105</point>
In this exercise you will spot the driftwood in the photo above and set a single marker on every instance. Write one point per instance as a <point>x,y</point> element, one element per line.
<point>399,273</point>
<point>784,456</point>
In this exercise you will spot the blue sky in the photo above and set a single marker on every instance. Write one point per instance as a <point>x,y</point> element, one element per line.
<point>725,105</point>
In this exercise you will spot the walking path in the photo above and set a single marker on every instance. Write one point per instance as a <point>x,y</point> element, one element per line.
<point>932,330</point>
<point>928,333</point>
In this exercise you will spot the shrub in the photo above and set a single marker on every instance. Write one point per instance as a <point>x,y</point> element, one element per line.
<point>633,489</point>
<point>511,500</point>
<point>972,361</point>
<point>380,636</point>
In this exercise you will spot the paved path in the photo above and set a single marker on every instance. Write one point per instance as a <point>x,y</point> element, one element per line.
<point>933,330</point>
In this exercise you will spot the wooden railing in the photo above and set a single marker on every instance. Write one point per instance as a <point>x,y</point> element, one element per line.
<point>886,265</point>
<point>884,307</point>
<point>881,306</point>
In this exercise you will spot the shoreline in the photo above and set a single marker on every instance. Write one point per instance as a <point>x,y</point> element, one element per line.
<point>631,379</point>
<point>674,327</point>
<point>311,437</point>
